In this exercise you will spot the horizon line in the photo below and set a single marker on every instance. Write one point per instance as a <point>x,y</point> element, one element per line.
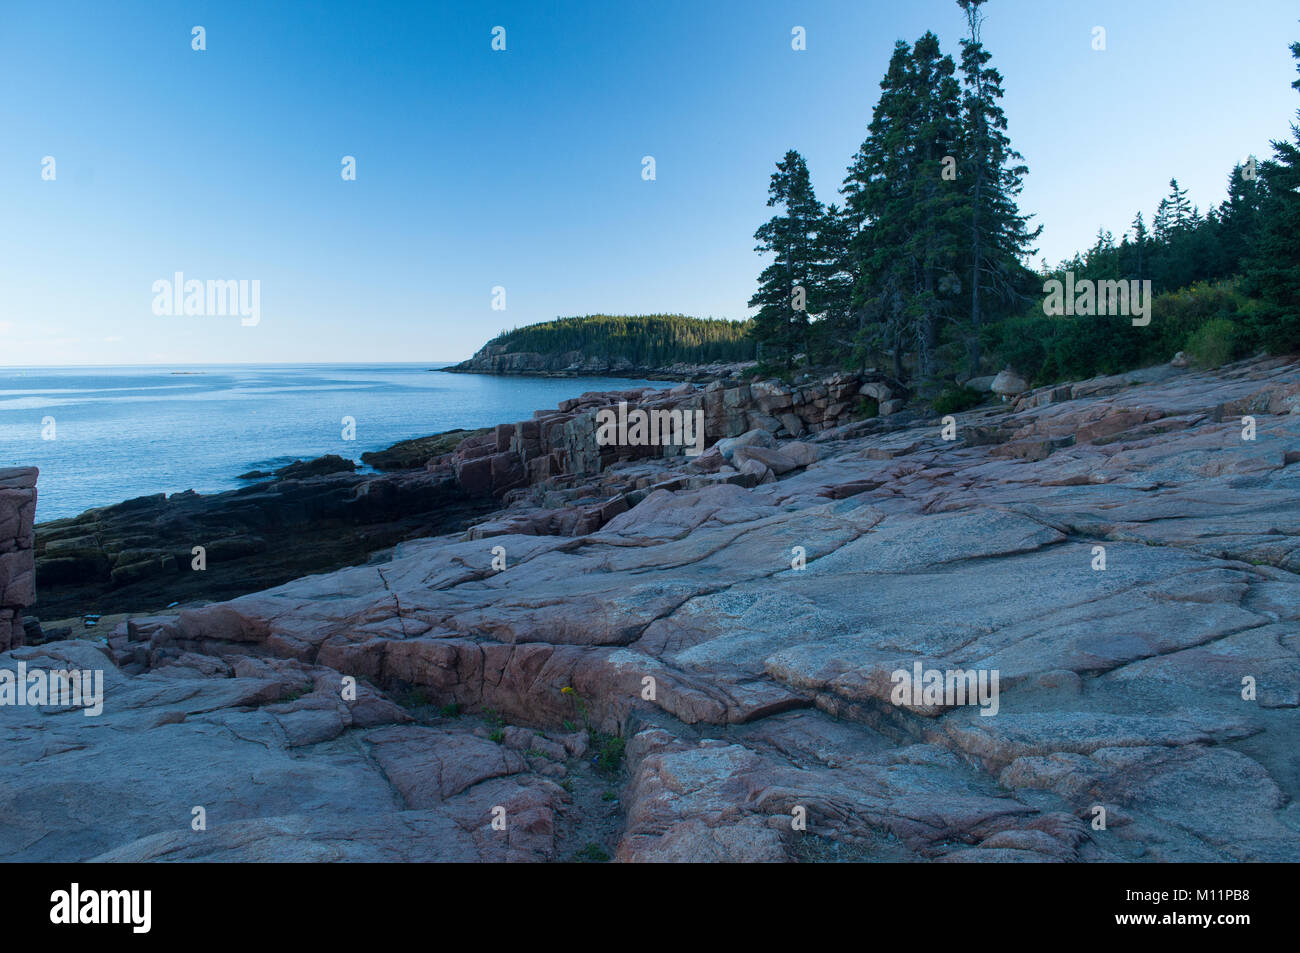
<point>39,367</point>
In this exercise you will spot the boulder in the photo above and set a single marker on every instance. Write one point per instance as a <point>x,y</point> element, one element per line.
<point>801,453</point>
<point>1008,384</point>
<point>755,470</point>
<point>757,437</point>
<point>781,459</point>
<point>710,461</point>
<point>771,458</point>
<point>762,421</point>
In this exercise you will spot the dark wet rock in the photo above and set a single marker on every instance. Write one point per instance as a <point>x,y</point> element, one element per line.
<point>142,553</point>
<point>301,469</point>
<point>412,454</point>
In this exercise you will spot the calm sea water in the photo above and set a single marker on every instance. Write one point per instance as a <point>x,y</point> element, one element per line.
<point>123,432</point>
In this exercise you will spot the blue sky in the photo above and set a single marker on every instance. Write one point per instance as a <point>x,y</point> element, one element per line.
<point>522,168</point>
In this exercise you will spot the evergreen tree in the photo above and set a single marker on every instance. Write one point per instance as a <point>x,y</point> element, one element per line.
<point>1178,208</point>
<point>1000,238</point>
<point>836,279</point>
<point>1140,240</point>
<point>915,252</point>
<point>794,283</point>
<point>1274,271</point>
<point>934,241</point>
<point>1160,222</point>
<point>873,193</point>
<point>905,221</point>
<point>1239,219</point>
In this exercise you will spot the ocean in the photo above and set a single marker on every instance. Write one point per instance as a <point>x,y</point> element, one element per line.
<point>101,435</point>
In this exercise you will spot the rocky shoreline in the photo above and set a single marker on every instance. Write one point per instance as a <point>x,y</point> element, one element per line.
<point>497,359</point>
<point>635,653</point>
<point>321,515</point>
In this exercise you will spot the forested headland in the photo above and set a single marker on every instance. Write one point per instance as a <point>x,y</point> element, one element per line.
<point>606,343</point>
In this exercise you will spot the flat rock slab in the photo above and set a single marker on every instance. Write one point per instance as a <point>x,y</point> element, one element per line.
<point>1132,582</point>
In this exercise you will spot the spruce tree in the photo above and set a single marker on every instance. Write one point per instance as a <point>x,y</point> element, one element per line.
<point>1141,238</point>
<point>1239,219</point>
<point>993,174</point>
<point>904,218</point>
<point>1178,208</point>
<point>870,191</point>
<point>836,280</point>
<point>793,284</point>
<point>1274,272</point>
<point>1160,222</point>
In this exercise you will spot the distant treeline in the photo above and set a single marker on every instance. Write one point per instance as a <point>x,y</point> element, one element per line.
<point>928,263</point>
<point>647,340</point>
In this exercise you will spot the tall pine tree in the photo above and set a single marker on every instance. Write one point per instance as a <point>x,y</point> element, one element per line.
<point>904,218</point>
<point>834,331</point>
<point>794,283</point>
<point>993,174</point>
<point>1274,272</point>
<point>1239,218</point>
<point>1141,238</point>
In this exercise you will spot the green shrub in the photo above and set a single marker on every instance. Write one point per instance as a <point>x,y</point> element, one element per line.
<point>764,371</point>
<point>496,723</point>
<point>1047,350</point>
<point>610,755</point>
<point>956,399</point>
<point>1214,343</point>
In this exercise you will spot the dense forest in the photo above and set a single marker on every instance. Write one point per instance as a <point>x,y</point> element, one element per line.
<point>651,340</point>
<point>925,266</point>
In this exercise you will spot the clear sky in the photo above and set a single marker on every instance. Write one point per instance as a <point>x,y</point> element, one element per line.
<point>522,169</point>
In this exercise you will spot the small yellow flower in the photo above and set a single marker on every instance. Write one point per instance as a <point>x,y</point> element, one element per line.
<point>566,690</point>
